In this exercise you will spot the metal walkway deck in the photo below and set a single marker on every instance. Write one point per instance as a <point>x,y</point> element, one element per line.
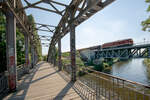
<point>43,83</point>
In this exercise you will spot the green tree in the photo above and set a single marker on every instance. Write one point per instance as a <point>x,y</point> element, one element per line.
<point>146,23</point>
<point>36,39</point>
<point>19,44</point>
<point>20,48</point>
<point>146,27</point>
<point>2,43</point>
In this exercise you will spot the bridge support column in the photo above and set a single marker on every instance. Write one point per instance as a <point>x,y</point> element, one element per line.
<point>59,55</point>
<point>32,56</point>
<point>11,49</point>
<point>50,56</point>
<point>27,54</point>
<point>35,57</point>
<point>73,52</point>
<point>54,56</point>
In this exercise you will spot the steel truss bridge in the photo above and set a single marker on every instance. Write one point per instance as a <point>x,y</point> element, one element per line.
<point>135,51</point>
<point>72,15</point>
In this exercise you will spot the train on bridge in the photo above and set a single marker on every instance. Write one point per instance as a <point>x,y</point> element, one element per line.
<point>118,43</point>
<point>88,54</point>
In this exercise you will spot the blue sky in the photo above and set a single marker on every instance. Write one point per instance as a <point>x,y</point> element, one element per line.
<point>120,20</point>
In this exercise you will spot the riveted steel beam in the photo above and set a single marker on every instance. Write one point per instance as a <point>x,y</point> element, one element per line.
<point>59,55</point>
<point>58,3</point>
<point>22,20</point>
<point>29,5</point>
<point>86,11</point>
<point>136,51</point>
<point>11,48</point>
<point>27,53</point>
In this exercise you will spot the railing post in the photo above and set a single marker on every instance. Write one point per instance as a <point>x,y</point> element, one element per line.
<point>27,53</point>
<point>35,60</point>
<point>59,55</point>
<point>54,57</point>
<point>49,56</point>
<point>73,49</point>
<point>11,49</point>
<point>34,57</point>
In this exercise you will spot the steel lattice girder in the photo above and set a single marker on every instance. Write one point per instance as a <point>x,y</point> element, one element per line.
<point>82,9</point>
<point>139,51</point>
<point>86,11</point>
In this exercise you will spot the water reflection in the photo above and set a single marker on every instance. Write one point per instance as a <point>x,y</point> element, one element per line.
<point>133,69</point>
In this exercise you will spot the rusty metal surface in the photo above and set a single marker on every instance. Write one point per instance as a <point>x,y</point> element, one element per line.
<point>82,9</point>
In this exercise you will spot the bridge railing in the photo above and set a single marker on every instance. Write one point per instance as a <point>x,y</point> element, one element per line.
<point>3,84</point>
<point>140,43</point>
<point>108,86</point>
<point>4,79</point>
<point>114,88</point>
<point>20,71</point>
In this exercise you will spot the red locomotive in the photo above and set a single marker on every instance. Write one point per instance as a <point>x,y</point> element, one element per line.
<point>119,43</point>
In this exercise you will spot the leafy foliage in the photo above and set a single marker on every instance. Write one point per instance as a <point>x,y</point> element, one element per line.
<point>19,44</point>
<point>2,44</point>
<point>146,23</point>
<point>38,42</point>
<point>20,48</point>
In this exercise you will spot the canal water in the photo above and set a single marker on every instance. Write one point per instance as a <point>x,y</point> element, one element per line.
<point>133,69</point>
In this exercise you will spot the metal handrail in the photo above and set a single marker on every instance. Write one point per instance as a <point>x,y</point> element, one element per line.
<point>112,87</point>
<point>20,66</point>
<point>20,71</point>
<point>137,83</point>
<point>118,86</point>
<point>132,82</point>
<point>3,83</point>
<point>140,43</point>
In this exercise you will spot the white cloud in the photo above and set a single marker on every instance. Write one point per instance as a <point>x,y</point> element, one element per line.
<point>88,35</point>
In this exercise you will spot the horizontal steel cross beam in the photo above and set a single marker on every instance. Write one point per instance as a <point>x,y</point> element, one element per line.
<point>137,51</point>
<point>87,9</point>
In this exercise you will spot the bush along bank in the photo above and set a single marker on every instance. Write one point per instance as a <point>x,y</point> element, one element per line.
<point>105,65</point>
<point>146,62</point>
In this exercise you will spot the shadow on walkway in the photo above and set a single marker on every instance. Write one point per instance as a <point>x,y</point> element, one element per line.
<point>43,77</point>
<point>64,91</point>
<point>24,85</point>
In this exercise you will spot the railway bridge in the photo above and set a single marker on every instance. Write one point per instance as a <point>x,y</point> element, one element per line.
<point>127,52</point>
<point>43,80</point>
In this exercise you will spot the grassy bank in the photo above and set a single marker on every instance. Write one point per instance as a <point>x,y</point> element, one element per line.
<point>66,59</point>
<point>104,66</point>
<point>147,62</point>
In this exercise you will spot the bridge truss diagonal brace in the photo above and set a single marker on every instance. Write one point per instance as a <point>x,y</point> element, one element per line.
<point>142,51</point>
<point>86,11</point>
